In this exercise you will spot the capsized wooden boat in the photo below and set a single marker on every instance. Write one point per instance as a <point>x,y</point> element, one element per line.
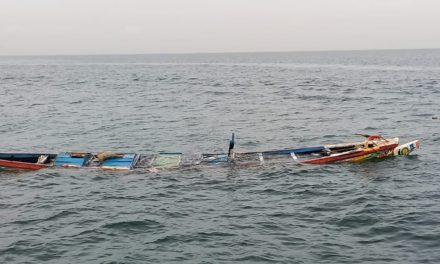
<point>27,161</point>
<point>103,160</point>
<point>374,147</point>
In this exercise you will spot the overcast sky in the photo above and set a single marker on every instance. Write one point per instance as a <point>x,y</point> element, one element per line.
<point>33,27</point>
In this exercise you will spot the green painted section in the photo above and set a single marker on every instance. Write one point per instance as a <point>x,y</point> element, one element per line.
<point>167,161</point>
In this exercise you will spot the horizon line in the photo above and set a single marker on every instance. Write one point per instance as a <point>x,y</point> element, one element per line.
<point>213,52</point>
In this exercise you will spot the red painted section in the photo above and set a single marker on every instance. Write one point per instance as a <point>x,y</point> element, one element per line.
<point>329,159</point>
<point>22,165</point>
<point>374,136</point>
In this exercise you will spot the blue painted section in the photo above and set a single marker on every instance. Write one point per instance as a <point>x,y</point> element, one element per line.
<point>124,162</point>
<point>299,151</point>
<point>65,159</point>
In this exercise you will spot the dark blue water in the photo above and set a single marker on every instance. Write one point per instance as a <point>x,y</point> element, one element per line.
<point>373,212</point>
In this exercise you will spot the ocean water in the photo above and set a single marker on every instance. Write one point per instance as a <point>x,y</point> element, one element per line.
<point>372,212</point>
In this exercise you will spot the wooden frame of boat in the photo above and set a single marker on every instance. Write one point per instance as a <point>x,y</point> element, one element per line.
<point>29,161</point>
<point>369,149</point>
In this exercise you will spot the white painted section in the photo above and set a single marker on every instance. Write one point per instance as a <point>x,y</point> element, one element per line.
<point>260,156</point>
<point>294,157</point>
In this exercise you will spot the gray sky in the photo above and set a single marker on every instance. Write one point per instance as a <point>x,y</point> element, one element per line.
<point>36,27</point>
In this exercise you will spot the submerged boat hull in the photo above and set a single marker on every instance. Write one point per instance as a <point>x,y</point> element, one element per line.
<point>356,155</point>
<point>347,152</point>
<point>22,165</point>
<point>27,161</point>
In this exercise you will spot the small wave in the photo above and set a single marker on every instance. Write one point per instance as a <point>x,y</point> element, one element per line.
<point>269,191</point>
<point>356,221</point>
<point>217,93</point>
<point>35,104</point>
<point>215,234</point>
<point>218,84</point>
<point>20,247</point>
<point>62,214</point>
<point>255,258</point>
<point>134,226</point>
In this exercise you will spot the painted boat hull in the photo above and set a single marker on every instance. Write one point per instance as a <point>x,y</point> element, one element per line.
<point>347,152</point>
<point>26,161</point>
<point>22,165</point>
<point>357,155</point>
<point>407,148</point>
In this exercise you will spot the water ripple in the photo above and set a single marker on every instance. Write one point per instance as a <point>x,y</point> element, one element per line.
<point>373,212</point>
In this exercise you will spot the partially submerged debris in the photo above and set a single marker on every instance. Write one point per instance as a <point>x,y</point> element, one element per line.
<point>373,147</point>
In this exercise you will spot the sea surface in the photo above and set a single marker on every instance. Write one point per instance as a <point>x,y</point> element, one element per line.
<point>371,212</point>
